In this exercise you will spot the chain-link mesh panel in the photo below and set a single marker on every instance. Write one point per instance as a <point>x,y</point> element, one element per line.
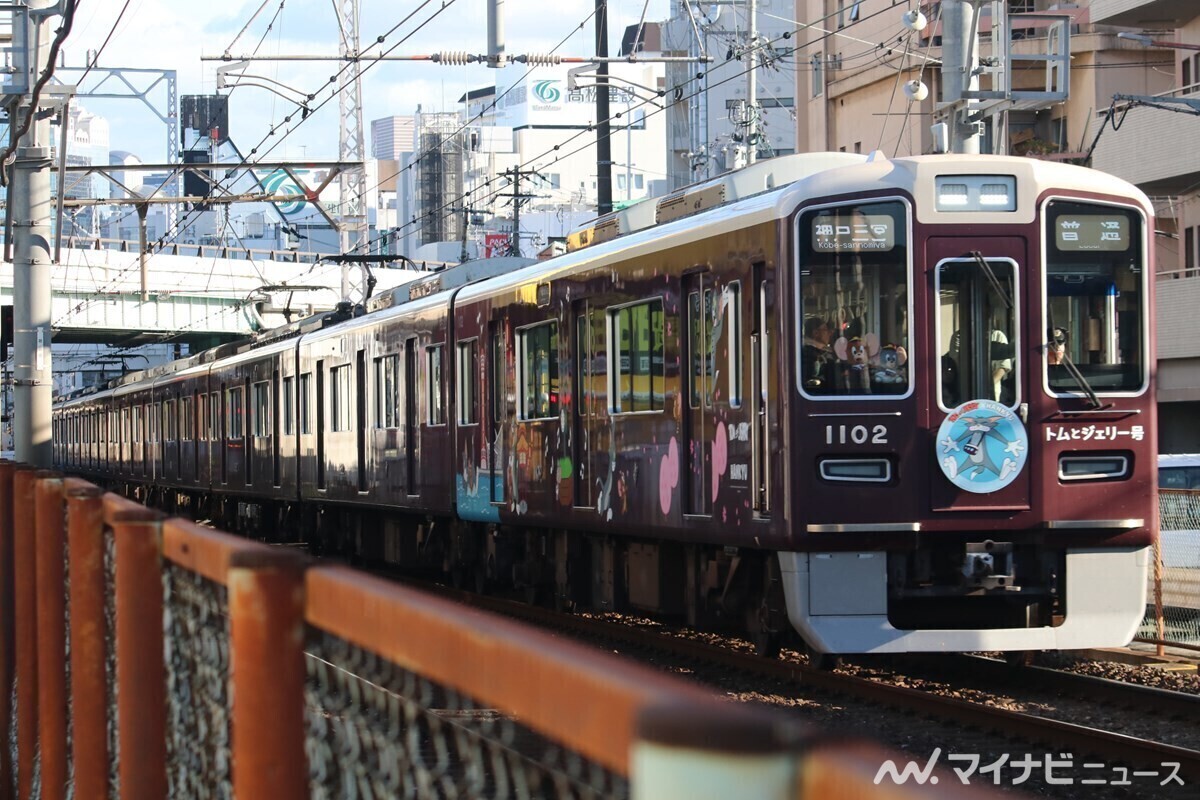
<point>1179,584</point>
<point>110,659</point>
<point>196,635</point>
<point>12,733</point>
<point>70,754</point>
<point>376,730</point>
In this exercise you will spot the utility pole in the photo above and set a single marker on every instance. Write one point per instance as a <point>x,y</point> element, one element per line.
<point>960,63</point>
<point>603,130</point>
<point>29,195</point>
<point>518,198</point>
<point>353,230</point>
<point>752,85</point>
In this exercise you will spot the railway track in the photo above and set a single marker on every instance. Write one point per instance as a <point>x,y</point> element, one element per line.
<point>1059,735</point>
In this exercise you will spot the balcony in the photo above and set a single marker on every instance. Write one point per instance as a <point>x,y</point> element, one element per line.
<point>1151,150</point>
<point>1148,14</point>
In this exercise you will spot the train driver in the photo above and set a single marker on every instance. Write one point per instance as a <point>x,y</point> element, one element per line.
<point>817,356</point>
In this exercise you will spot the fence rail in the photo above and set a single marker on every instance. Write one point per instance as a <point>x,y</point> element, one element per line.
<point>1173,608</point>
<point>143,657</point>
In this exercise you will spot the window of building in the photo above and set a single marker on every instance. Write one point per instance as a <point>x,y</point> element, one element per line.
<point>818,76</point>
<point>339,401</point>
<point>433,390</point>
<point>537,359</point>
<point>777,102</point>
<point>468,413</point>
<point>1189,250</point>
<point>260,418</point>
<point>235,412</point>
<point>639,180</point>
<point>637,331</point>
<point>1187,74</point>
<point>306,403</point>
<point>387,391</point>
<point>287,405</point>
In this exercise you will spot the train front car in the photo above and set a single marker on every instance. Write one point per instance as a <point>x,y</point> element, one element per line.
<point>972,425</point>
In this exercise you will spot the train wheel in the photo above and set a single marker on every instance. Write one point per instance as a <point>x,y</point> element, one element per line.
<point>766,642</point>
<point>826,662</point>
<point>1017,659</point>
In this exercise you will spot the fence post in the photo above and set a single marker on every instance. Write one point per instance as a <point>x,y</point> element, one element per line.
<point>141,675</point>
<point>1159,621</point>
<point>51,635</point>
<point>267,673</point>
<point>712,752</point>
<point>7,624</point>
<point>89,709</point>
<point>25,609</point>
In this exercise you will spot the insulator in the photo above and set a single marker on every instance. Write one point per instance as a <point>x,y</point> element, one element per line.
<point>542,59</point>
<point>455,58</point>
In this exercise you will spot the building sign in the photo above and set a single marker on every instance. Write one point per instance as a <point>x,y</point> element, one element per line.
<point>495,245</point>
<point>1076,232</point>
<point>542,97</point>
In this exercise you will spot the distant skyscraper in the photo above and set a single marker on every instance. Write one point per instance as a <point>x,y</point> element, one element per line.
<point>87,145</point>
<point>392,136</point>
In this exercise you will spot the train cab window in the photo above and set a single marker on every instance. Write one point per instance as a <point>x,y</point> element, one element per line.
<point>854,300</point>
<point>339,398</point>
<point>434,398</point>
<point>260,411</point>
<point>537,363</point>
<point>467,404</point>
<point>1095,304</point>
<point>306,403</point>
<point>638,377</point>
<point>977,329</point>
<point>387,391</point>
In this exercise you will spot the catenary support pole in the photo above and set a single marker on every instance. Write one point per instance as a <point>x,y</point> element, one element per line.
<point>603,130</point>
<point>960,58</point>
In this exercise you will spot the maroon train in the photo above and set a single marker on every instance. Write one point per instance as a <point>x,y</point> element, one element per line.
<point>889,405</point>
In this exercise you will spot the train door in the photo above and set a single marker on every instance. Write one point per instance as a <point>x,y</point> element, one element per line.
<point>761,354</point>
<point>497,437</point>
<point>410,415</point>
<point>320,424</point>
<point>698,423</point>
<point>589,437</point>
<point>977,348</point>
<point>361,418</point>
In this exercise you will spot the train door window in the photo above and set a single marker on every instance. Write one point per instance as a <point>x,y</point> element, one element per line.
<point>168,421</point>
<point>700,334</point>
<point>152,412</point>
<point>260,411</point>
<point>214,416</point>
<point>537,360</point>
<point>387,391</point>
<point>287,405</point>
<point>339,399</point>
<point>854,301</point>
<point>637,380</point>
<point>732,299</point>
<point>136,424</point>
<point>202,416</point>
<point>434,402</point>
<point>305,408</point>
<point>187,430</point>
<point>410,416</point>
<point>977,329</point>
<point>321,402</point>
<point>496,378</point>
<point>234,413</point>
<point>467,412</point>
<point>1095,305</point>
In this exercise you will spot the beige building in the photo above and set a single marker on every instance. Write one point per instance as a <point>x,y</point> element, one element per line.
<point>853,63</point>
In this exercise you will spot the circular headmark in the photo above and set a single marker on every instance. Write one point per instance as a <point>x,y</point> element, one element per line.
<point>982,446</point>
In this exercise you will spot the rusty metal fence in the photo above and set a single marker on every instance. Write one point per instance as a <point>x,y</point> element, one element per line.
<point>1173,613</point>
<point>142,657</point>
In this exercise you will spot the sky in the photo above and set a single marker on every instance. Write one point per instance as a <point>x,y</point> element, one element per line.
<point>171,34</point>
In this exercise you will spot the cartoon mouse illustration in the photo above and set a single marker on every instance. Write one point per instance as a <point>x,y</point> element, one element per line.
<point>855,355</point>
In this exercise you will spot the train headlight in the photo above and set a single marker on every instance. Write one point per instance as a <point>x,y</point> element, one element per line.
<point>1081,467</point>
<point>976,192</point>
<point>856,470</point>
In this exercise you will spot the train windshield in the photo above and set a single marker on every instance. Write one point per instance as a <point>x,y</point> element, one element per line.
<point>977,329</point>
<point>1095,300</point>
<point>854,300</point>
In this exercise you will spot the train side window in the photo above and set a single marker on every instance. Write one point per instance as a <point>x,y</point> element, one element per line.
<point>467,411</point>
<point>287,408</point>
<point>168,421</point>
<point>260,419</point>
<point>537,360</point>
<point>214,416</point>
<point>186,427</point>
<point>136,424</point>
<point>435,403</point>
<point>306,403</point>
<point>387,391</point>
<point>637,380</point>
<point>235,411</point>
<point>733,335</point>
<point>339,401</point>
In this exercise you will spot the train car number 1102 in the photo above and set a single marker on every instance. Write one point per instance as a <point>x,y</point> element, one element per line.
<point>856,434</point>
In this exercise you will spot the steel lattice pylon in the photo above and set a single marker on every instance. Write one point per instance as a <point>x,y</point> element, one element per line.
<point>353,233</point>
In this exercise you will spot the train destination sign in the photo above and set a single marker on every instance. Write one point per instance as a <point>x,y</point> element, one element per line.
<point>857,233</point>
<point>1092,232</point>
